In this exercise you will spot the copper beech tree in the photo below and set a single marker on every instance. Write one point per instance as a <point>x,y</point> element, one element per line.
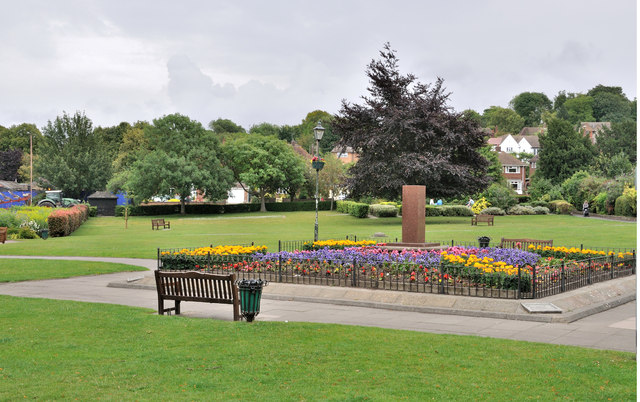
<point>405,134</point>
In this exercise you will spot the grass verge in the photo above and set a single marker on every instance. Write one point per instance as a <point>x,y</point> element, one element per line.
<point>15,270</point>
<point>66,350</point>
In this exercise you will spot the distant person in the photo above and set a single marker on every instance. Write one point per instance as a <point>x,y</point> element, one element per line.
<point>431,202</point>
<point>585,208</point>
<point>439,202</point>
<point>470,203</point>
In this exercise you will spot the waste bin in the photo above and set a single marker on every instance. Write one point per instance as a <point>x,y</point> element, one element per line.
<point>250,294</point>
<point>44,234</point>
<point>483,241</point>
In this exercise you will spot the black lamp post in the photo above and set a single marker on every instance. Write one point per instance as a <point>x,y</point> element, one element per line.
<point>317,164</point>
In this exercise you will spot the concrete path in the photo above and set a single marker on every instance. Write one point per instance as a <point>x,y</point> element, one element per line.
<point>613,329</point>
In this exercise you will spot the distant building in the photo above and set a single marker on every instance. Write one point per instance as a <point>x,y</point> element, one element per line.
<point>514,171</point>
<point>345,154</point>
<point>593,129</point>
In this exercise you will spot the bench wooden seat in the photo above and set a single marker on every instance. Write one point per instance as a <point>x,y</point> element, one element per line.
<point>524,243</point>
<point>198,287</point>
<point>3,234</point>
<point>160,223</point>
<point>482,218</point>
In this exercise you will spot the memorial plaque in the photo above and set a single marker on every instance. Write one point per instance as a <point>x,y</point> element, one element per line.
<point>413,214</point>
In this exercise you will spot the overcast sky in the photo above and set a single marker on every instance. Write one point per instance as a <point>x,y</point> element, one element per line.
<point>275,61</point>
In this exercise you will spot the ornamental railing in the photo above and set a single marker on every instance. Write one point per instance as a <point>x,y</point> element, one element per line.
<point>442,278</point>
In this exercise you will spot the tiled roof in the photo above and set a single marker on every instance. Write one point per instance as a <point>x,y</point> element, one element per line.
<point>506,159</point>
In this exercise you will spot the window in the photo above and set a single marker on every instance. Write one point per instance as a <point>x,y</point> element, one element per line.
<point>512,169</point>
<point>343,155</point>
<point>516,185</point>
<point>532,165</point>
<point>509,149</point>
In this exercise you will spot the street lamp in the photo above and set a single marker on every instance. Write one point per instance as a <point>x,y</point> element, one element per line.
<point>317,164</point>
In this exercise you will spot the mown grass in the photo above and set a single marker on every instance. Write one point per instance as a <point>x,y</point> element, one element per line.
<point>15,270</point>
<point>70,350</point>
<point>107,236</point>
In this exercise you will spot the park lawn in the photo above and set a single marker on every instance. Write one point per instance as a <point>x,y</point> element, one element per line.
<point>15,269</point>
<point>73,350</point>
<point>107,236</point>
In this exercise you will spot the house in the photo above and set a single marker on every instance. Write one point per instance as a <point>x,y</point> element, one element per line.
<point>345,154</point>
<point>527,141</point>
<point>514,171</point>
<point>592,129</point>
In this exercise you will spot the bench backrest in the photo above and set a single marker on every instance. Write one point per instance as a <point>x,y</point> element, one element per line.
<point>524,243</point>
<point>3,230</point>
<point>197,286</point>
<point>158,221</point>
<point>484,217</point>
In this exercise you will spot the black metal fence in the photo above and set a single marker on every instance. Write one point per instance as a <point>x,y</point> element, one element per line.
<point>533,283</point>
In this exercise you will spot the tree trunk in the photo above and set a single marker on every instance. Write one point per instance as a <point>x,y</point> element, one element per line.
<point>263,207</point>
<point>183,210</point>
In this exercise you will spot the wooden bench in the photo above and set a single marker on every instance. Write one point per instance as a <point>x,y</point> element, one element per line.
<point>524,243</point>
<point>3,234</point>
<point>198,287</point>
<point>160,223</point>
<point>482,218</point>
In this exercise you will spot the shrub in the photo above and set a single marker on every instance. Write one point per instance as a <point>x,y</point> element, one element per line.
<point>521,210</point>
<point>541,210</point>
<point>455,210</point>
<point>8,219</point>
<point>479,205</point>
<point>624,206</point>
<point>383,211</point>
<point>633,195</point>
<point>539,203</point>
<point>493,211</point>
<point>63,222</point>
<point>599,204</point>
<point>560,207</point>
<point>500,196</point>
<point>26,232</point>
<point>432,210</point>
<point>359,210</point>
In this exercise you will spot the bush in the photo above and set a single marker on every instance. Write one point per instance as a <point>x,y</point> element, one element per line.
<point>493,211</point>
<point>599,204</point>
<point>480,205</point>
<point>624,206</point>
<point>541,210</point>
<point>383,211</point>
<point>539,203</point>
<point>571,189</point>
<point>359,210</point>
<point>455,210</point>
<point>560,207</point>
<point>26,232</point>
<point>500,196</point>
<point>432,210</point>
<point>521,210</point>
<point>8,219</point>
<point>63,222</point>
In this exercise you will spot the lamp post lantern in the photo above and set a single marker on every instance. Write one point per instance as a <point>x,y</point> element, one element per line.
<point>317,164</point>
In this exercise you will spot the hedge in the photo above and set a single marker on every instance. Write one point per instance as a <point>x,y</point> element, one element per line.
<point>63,222</point>
<point>215,209</point>
<point>624,206</point>
<point>383,211</point>
<point>560,207</point>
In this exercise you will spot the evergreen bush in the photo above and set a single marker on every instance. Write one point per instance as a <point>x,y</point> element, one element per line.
<point>493,211</point>
<point>624,206</point>
<point>560,207</point>
<point>383,211</point>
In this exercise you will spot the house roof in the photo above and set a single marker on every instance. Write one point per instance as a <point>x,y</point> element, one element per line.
<point>299,150</point>
<point>103,195</point>
<point>494,141</point>
<point>15,186</point>
<point>531,131</point>
<point>595,125</point>
<point>533,140</point>
<point>506,159</point>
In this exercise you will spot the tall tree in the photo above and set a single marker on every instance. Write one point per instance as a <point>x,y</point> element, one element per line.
<point>10,162</point>
<point>502,120</point>
<point>579,109</point>
<point>110,138</point>
<point>71,158</point>
<point>612,107</point>
<point>563,151</point>
<point>406,134</point>
<point>263,165</point>
<point>333,178</point>
<point>311,120</point>
<point>225,126</point>
<point>181,155</point>
<point>266,129</point>
<point>620,137</point>
<point>530,106</point>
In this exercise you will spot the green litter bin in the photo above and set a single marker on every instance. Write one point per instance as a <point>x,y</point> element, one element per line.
<point>483,241</point>
<point>250,294</point>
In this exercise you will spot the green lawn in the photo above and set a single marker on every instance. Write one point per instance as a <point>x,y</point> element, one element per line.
<point>71,350</point>
<point>107,236</point>
<point>15,270</point>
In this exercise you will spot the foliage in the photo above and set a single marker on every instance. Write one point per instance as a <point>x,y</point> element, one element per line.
<point>521,210</point>
<point>571,189</point>
<point>64,221</point>
<point>579,109</point>
<point>625,206</point>
<point>493,211</point>
<point>223,126</point>
<point>305,129</point>
<point>383,211</point>
<point>480,205</point>
<point>264,165</point>
<point>333,178</point>
<point>71,158</point>
<point>110,138</point>
<point>180,155</point>
<point>406,134</point>
<point>500,196</point>
<point>560,207</point>
<point>530,106</point>
<point>10,162</point>
<point>502,120</point>
<point>621,137</point>
<point>563,151</point>
<point>265,129</point>
<point>541,210</point>
<point>494,170</point>
<point>358,209</point>
<point>538,187</point>
<point>612,166</point>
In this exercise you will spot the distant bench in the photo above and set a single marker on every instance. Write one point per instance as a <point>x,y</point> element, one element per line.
<point>160,223</point>
<point>3,234</point>
<point>197,287</point>
<point>482,218</point>
<point>524,243</point>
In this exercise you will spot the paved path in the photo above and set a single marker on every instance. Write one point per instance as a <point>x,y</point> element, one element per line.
<point>614,329</point>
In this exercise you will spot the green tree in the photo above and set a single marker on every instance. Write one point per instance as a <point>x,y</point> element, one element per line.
<point>225,126</point>
<point>266,129</point>
<point>263,165</point>
<point>502,120</point>
<point>500,196</point>
<point>620,137</point>
<point>473,115</point>
<point>110,138</point>
<point>311,120</point>
<point>71,158</point>
<point>612,166</point>
<point>18,137</point>
<point>182,155</point>
<point>132,147</point>
<point>333,178</point>
<point>563,151</point>
<point>579,109</point>
<point>611,107</point>
<point>600,89</point>
<point>406,134</point>
<point>530,106</point>
<point>494,170</point>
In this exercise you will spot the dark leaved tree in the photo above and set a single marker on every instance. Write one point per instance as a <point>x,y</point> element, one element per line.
<point>405,134</point>
<point>9,164</point>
